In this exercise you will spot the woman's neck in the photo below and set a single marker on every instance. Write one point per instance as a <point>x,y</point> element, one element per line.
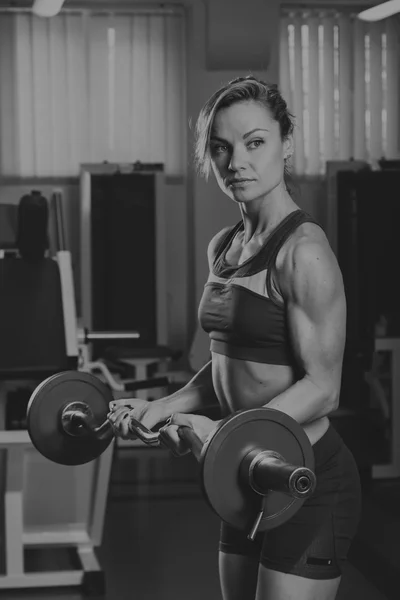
<point>259,220</point>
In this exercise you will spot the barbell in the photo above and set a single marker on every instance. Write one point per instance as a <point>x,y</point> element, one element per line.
<point>255,469</point>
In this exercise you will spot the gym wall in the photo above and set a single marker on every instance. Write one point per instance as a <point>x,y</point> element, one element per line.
<point>209,65</point>
<point>12,190</point>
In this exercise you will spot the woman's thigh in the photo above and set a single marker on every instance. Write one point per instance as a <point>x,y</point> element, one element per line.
<point>312,546</point>
<point>238,575</point>
<point>315,542</point>
<point>275,585</point>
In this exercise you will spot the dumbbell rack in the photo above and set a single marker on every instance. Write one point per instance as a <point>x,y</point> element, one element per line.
<point>89,488</point>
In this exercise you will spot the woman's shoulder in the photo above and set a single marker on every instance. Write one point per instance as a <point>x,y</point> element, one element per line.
<point>306,234</point>
<point>307,243</point>
<point>218,240</point>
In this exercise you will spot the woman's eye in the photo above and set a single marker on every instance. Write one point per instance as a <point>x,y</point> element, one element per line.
<point>255,143</point>
<point>219,149</point>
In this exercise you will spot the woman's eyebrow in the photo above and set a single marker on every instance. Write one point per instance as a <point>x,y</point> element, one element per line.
<point>216,138</point>
<point>246,135</point>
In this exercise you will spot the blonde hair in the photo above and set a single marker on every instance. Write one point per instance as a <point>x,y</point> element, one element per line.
<point>239,90</point>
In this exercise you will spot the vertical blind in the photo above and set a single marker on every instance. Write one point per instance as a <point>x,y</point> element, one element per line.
<point>340,78</point>
<point>91,87</point>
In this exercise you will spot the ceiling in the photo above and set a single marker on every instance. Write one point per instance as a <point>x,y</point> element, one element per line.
<point>28,3</point>
<point>107,3</point>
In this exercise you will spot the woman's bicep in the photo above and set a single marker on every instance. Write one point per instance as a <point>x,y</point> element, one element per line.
<point>316,309</point>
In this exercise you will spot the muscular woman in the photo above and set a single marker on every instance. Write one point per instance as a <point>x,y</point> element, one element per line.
<point>275,311</point>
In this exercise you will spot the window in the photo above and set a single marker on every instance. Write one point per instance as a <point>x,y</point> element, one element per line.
<point>340,78</point>
<point>91,87</point>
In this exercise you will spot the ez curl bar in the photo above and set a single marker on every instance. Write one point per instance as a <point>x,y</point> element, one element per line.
<point>256,470</point>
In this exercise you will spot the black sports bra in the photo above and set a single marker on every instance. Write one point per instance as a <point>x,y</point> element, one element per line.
<point>237,307</point>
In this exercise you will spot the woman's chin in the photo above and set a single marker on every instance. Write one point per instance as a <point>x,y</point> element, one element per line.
<point>243,196</point>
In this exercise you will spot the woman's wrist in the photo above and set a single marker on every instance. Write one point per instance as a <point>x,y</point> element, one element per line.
<point>169,405</point>
<point>178,402</point>
<point>163,408</point>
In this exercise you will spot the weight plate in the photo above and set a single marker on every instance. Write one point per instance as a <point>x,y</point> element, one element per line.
<point>44,417</point>
<point>229,496</point>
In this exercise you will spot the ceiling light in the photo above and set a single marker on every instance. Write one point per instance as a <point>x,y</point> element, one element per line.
<point>381,11</point>
<point>47,8</point>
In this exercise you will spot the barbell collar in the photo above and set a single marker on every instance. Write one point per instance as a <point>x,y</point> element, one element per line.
<point>77,420</point>
<point>268,470</point>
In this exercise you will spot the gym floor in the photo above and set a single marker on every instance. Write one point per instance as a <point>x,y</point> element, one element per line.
<point>160,538</point>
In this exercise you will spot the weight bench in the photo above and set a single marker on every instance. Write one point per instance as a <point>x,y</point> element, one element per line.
<point>32,347</point>
<point>47,506</point>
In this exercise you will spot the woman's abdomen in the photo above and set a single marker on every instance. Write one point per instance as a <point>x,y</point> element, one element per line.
<point>241,384</point>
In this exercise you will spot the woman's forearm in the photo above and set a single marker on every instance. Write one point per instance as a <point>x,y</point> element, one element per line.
<point>305,401</point>
<point>198,393</point>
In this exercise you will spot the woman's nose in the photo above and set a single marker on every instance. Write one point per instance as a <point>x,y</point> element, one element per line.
<point>237,159</point>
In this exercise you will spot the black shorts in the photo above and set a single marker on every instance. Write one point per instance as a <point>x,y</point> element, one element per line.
<point>314,543</point>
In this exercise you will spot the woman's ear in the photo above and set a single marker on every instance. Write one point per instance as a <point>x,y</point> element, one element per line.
<point>288,147</point>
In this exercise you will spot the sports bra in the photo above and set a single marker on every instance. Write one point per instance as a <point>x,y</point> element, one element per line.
<point>237,308</point>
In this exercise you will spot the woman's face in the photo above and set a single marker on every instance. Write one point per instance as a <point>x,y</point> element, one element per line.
<point>247,153</point>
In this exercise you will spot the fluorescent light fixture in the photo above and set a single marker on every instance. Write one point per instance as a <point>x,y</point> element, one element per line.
<point>47,8</point>
<point>381,11</point>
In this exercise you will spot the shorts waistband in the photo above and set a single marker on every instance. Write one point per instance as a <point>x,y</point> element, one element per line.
<point>328,445</point>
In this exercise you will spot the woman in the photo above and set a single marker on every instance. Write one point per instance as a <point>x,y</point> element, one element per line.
<point>274,308</point>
